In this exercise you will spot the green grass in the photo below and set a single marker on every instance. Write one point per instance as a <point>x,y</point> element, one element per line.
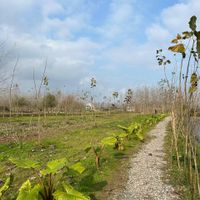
<point>68,137</point>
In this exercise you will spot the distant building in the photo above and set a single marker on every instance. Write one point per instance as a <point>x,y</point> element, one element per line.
<point>90,107</point>
<point>130,108</point>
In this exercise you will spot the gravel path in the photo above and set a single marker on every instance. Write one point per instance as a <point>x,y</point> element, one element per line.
<point>145,173</point>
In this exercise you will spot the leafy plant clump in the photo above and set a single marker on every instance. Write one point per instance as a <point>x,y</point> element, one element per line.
<point>135,129</point>
<point>49,184</point>
<point>99,148</point>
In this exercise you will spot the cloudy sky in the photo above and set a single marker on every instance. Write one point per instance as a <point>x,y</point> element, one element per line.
<point>111,40</point>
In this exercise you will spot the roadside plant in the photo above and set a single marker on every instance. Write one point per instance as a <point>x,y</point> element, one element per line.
<point>49,180</point>
<point>134,129</point>
<point>119,145</point>
<point>183,90</point>
<point>99,148</point>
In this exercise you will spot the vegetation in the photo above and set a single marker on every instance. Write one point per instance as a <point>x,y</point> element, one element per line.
<point>183,93</point>
<point>179,178</point>
<point>59,165</point>
<point>55,145</point>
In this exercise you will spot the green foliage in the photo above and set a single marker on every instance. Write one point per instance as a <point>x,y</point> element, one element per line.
<point>136,129</point>
<point>123,135</point>
<point>119,140</point>
<point>140,135</point>
<point>109,141</point>
<point>6,185</point>
<point>133,129</point>
<point>123,128</point>
<point>47,182</point>
<point>69,194</point>
<point>98,149</point>
<point>28,192</point>
<point>78,167</point>
<point>24,163</point>
<point>65,145</point>
<point>54,166</point>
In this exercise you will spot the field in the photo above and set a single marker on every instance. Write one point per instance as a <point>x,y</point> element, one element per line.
<point>55,137</point>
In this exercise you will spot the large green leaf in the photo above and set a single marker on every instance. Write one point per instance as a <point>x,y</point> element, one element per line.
<point>6,185</point>
<point>24,163</point>
<point>123,135</point>
<point>140,135</point>
<point>192,23</point>
<point>131,129</point>
<point>70,194</point>
<point>179,48</point>
<point>123,128</point>
<point>78,167</point>
<point>134,127</point>
<point>54,166</point>
<point>109,141</point>
<point>26,192</point>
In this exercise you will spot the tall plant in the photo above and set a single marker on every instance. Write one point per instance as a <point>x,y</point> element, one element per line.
<point>182,87</point>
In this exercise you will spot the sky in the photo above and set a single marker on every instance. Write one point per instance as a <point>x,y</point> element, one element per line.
<point>113,41</point>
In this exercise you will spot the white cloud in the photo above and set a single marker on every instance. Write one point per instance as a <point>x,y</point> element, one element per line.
<point>122,20</point>
<point>159,33</point>
<point>54,29</point>
<point>68,60</point>
<point>50,7</point>
<point>173,20</point>
<point>156,33</point>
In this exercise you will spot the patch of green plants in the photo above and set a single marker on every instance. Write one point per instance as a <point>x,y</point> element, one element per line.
<point>34,177</point>
<point>135,129</point>
<point>49,185</point>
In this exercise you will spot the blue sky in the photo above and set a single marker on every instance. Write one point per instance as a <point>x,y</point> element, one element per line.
<point>111,40</point>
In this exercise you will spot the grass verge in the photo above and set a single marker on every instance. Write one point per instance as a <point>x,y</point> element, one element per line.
<point>179,178</point>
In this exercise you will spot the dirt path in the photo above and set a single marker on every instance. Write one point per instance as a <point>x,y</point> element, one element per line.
<point>146,171</point>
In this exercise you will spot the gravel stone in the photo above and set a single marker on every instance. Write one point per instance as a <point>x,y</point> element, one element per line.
<point>145,174</point>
